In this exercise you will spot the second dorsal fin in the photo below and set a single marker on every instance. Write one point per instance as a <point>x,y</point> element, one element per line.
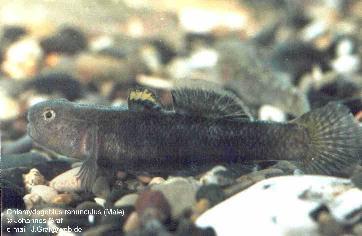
<point>141,99</point>
<point>207,99</point>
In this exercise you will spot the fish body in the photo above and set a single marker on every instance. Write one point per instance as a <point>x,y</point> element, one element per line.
<point>205,128</point>
<point>165,143</point>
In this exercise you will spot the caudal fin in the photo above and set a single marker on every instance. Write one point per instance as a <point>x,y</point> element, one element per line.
<point>336,140</point>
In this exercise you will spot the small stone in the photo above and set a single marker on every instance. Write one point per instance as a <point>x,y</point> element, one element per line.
<point>271,113</point>
<point>118,191</point>
<point>32,200</point>
<point>286,166</point>
<point>68,40</point>
<point>101,187</point>
<point>64,199</point>
<point>152,204</point>
<point>267,173</point>
<point>357,177</point>
<point>53,168</point>
<point>328,226</point>
<point>45,192</point>
<point>134,185</point>
<point>132,223</point>
<point>144,179</point>
<point>179,192</point>
<point>67,181</point>
<point>187,227</point>
<point>156,180</point>
<point>100,201</point>
<point>357,229</point>
<point>26,65</point>
<point>127,200</point>
<point>212,192</point>
<point>201,206</point>
<point>34,177</point>
<point>240,186</point>
<point>218,175</point>
<point>276,197</point>
<point>347,206</point>
<point>246,181</point>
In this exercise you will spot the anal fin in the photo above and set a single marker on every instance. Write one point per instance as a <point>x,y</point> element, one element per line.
<point>207,99</point>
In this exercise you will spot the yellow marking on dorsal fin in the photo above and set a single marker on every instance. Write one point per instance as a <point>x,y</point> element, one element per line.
<point>143,95</point>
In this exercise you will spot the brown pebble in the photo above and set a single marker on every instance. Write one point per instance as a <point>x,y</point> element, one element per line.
<point>67,181</point>
<point>179,192</point>
<point>157,180</point>
<point>63,199</point>
<point>34,177</point>
<point>328,226</point>
<point>151,199</point>
<point>144,179</point>
<point>132,223</point>
<point>200,207</point>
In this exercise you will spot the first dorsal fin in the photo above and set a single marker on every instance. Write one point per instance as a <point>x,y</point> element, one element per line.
<point>207,99</point>
<point>142,99</point>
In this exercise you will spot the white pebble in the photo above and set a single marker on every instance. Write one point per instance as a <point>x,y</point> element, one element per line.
<point>271,113</point>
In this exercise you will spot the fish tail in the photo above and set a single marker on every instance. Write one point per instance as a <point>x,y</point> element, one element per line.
<point>335,140</point>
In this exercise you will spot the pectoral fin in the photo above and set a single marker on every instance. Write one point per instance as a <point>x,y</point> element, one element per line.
<point>88,171</point>
<point>142,99</point>
<point>206,99</point>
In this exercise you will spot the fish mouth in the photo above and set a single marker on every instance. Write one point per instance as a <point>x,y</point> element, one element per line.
<point>30,132</point>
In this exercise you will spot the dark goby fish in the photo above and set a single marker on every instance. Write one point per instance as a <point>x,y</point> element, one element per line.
<point>207,126</point>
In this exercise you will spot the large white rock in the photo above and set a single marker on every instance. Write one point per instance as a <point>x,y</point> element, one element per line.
<point>282,206</point>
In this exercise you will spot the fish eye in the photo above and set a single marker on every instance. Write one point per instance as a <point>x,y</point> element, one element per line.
<point>49,115</point>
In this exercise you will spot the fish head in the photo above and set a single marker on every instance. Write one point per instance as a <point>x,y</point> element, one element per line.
<point>54,125</point>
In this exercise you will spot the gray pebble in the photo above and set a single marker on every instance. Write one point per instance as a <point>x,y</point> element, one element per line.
<point>246,181</point>
<point>127,200</point>
<point>101,187</point>
<point>357,229</point>
<point>180,193</point>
